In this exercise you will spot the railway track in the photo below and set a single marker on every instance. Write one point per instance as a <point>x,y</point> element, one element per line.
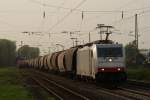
<point>139,83</point>
<point>59,91</point>
<point>133,90</point>
<point>136,92</point>
<point>122,93</point>
<point>47,89</point>
<point>130,94</point>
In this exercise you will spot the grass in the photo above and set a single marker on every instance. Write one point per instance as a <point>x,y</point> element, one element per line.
<point>139,73</point>
<point>11,85</point>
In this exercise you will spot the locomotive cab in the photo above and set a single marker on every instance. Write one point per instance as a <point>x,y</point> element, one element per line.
<point>110,63</point>
<point>104,63</point>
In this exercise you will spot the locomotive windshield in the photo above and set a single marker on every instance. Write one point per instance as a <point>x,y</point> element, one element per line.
<point>110,52</point>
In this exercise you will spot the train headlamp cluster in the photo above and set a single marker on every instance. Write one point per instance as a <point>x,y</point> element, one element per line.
<point>110,60</point>
<point>118,69</point>
<point>102,69</point>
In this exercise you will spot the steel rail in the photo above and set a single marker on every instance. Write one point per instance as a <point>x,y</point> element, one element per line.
<point>103,90</point>
<point>66,89</point>
<point>139,83</point>
<point>121,92</point>
<point>128,94</point>
<point>137,92</point>
<point>47,89</point>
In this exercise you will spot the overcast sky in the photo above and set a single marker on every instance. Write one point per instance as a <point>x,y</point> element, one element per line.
<point>17,16</point>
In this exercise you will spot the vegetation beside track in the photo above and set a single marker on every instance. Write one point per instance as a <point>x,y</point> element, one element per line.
<point>11,85</point>
<point>139,73</point>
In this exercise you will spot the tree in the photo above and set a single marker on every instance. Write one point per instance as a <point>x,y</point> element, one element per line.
<point>133,55</point>
<point>7,52</point>
<point>28,52</point>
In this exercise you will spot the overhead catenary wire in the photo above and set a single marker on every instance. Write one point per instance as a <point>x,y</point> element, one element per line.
<point>53,6</point>
<point>97,12</point>
<point>130,17</point>
<point>127,4</point>
<point>143,29</point>
<point>126,18</point>
<point>117,11</point>
<point>129,10</point>
<point>137,9</point>
<point>64,17</point>
<point>58,9</point>
<point>144,12</point>
<point>90,11</point>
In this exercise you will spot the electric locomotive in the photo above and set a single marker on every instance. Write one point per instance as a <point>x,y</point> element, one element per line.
<point>102,62</point>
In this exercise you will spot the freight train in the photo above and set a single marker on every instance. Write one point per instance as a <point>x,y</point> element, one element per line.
<point>101,61</point>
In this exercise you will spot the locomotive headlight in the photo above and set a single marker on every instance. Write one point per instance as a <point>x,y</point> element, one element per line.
<point>102,69</point>
<point>118,69</point>
<point>110,60</point>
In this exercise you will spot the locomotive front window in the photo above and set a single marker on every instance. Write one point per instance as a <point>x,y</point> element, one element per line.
<point>110,52</point>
